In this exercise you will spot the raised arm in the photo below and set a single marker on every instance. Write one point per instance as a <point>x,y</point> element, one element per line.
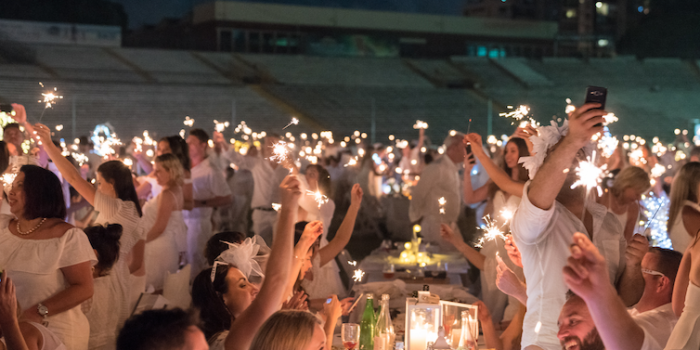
<point>631,284</point>
<point>680,287</point>
<point>243,329</point>
<point>342,236</point>
<point>69,172</point>
<point>491,339</point>
<point>8,315</point>
<point>504,182</point>
<point>471,195</point>
<point>551,176</point>
<point>476,258</point>
<point>586,274</point>
<point>311,233</point>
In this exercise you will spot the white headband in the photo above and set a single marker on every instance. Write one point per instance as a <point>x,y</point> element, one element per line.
<point>244,256</point>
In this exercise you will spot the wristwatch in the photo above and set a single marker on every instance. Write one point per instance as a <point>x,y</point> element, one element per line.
<point>42,310</point>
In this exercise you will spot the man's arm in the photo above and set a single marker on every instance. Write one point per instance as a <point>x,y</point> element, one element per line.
<point>631,284</point>
<point>551,176</point>
<point>586,274</point>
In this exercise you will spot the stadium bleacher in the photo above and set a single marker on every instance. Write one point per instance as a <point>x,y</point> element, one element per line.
<point>139,89</point>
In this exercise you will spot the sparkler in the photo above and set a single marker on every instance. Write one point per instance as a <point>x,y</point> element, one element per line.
<point>570,108</point>
<point>279,152</point>
<point>589,175</point>
<point>318,197</point>
<point>352,263</point>
<point>219,126</point>
<point>607,145</point>
<point>294,121</point>
<point>609,119</point>
<point>188,121</point>
<point>420,125</point>
<point>49,100</point>
<point>658,170</point>
<point>358,275</point>
<point>491,232</point>
<point>8,179</point>
<point>442,203</point>
<point>516,114</point>
<point>276,206</point>
<point>507,214</point>
<point>59,127</point>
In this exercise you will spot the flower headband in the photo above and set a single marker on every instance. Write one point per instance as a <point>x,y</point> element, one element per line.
<point>547,137</point>
<point>245,256</point>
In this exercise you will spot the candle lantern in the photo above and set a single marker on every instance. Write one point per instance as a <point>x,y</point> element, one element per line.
<point>460,332</point>
<point>422,323</point>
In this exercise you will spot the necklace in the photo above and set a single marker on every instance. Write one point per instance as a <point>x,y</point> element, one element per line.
<point>32,230</point>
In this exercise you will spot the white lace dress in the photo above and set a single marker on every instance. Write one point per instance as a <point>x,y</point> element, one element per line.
<point>35,267</point>
<point>162,254</point>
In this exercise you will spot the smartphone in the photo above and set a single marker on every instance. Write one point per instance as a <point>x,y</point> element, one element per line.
<point>596,94</point>
<point>328,301</point>
<point>6,108</point>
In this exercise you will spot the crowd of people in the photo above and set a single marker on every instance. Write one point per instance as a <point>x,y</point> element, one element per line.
<point>83,236</point>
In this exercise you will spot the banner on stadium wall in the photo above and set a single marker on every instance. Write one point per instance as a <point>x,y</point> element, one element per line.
<point>353,45</point>
<point>60,33</point>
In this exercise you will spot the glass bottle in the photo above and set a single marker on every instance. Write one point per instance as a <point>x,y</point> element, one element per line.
<point>470,331</point>
<point>384,330</point>
<point>367,324</point>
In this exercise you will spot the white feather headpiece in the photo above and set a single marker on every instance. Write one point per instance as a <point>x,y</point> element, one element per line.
<point>246,256</point>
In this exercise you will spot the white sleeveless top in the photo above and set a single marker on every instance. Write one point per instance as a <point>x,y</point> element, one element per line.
<point>680,237</point>
<point>51,341</point>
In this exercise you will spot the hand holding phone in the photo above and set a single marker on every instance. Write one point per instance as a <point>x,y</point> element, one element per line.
<point>596,94</point>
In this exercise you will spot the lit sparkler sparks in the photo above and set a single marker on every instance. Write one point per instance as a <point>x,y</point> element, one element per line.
<point>516,114</point>
<point>351,162</point>
<point>49,99</point>
<point>609,119</point>
<point>276,206</point>
<point>279,152</point>
<point>294,121</point>
<point>8,179</point>
<point>507,214</point>
<point>188,121</point>
<point>420,125</point>
<point>589,175</point>
<point>570,108</point>
<point>352,263</point>
<point>219,126</point>
<point>442,203</point>
<point>318,197</point>
<point>607,144</point>
<point>491,232</point>
<point>358,275</point>
<point>657,171</point>
<point>59,127</point>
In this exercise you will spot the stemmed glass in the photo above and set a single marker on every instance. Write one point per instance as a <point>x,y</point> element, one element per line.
<point>350,334</point>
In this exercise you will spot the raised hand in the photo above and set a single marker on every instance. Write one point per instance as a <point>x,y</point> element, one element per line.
<point>20,115</point>
<point>290,191</point>
<point>586,272</point>
<point>44,134</point>
<point>8,301</point>
<point>296,302</point>
<point>356,195</point>
<point>513,251</point>
<point>585,122</point>
<point>475,141</point>
<point>346,304</point>
<point>311,233</point>
<point>483,313</point>
<point>449,235</point>
<point>508,282</point>
<point>636,249</point>
<point>334,309</point>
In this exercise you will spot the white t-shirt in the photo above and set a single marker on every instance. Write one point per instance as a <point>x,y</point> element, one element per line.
<point>544,237</point>
<point>266,180</point>
<point>658,323</point>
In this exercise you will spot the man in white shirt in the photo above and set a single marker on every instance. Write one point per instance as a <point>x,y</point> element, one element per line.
<point>210,190</point>
<point>547,218</point>
<point>586,273</point>
<point>439,179</point>
<point>267,177</point>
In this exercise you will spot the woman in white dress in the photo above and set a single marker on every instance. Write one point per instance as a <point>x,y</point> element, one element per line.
<point>117,203</point>
<point>104,322</point>
<point>163,221</point>
<point>503,193</point>
<point>49,260</point>
<point>16,332</point>
<point>684,213</point>
<point>622,198</point>
<point>686,301</point>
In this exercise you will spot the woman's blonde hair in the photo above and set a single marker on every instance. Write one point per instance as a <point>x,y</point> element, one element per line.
<point>286,330</point>
<point>173,165</point>
<point>684,187</point>
<point>631,176</point>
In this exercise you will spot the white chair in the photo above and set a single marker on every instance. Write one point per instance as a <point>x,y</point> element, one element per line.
<point>177,288</point>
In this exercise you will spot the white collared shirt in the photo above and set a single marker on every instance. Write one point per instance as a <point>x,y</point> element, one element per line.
<point>657,323</point>
<point>439,179</point>
<point>544,237</point>
<point>266,180</point>
<point>207,182</point>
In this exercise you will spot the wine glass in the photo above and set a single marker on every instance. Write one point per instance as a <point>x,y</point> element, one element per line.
<point>350,334</point>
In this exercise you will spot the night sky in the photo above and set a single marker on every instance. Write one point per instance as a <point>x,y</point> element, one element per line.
<point>142,12</point>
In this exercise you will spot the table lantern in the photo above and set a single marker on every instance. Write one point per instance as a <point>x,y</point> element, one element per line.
<point>459,331</point>
<point>422,323</point>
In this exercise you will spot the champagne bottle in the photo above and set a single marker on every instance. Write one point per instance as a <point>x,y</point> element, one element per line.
<point>367,324</point>
<point>384,330</point>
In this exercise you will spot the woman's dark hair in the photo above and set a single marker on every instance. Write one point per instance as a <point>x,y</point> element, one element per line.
<point>523,151</point>
<point>105,240</point>
<point>43,195</point>
<point>4,157</point>
<point>120,176</point>
<point>178,146</point>
<point>216,246</point>
<point>324,179</point>
<point>207,298</point>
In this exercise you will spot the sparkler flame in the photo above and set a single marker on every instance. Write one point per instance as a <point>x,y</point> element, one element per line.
<point>442,203</point>
<point>276,206</point>
<point>318,197</point>
<point>8,179</point>
<point>420,125</point>
<point>491,232</point>
<point>219,126</point>
<point>589,175</point>
<point>294,121</point>
<point>352,263</point>
<point>357,275</point>
<point>516,114</point>
<point>279,152</point>
<point>609,119</point>
<point>49,98</point>
<point>188,121</point>
<point>507,214</point>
